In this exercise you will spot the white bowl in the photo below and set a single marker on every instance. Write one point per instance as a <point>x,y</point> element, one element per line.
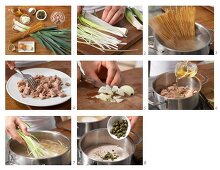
<point>118,118</point>
<point>44,16</point>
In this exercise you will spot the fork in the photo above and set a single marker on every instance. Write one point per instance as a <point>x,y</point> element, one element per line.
<point>30,79</point>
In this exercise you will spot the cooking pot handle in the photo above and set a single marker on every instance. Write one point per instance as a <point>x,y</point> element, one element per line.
<point>205,78</point>
<point>153,103</point>
<point>151,44</point>
<point>211,30</point>
<point>11,160</point>
<point>138,139</point>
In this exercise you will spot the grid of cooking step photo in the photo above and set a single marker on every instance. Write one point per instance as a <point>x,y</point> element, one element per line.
<point>109,30</point>
<point>38,30</point>
<point>110,140</point>
<point>79,109</point>
<point>181,85</point>
<point>181,30</point>
<point>110,85</point>
<point>38,140</point>
<point>38,85</point>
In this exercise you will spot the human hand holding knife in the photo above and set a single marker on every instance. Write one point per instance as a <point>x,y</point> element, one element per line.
<point>94,71</point>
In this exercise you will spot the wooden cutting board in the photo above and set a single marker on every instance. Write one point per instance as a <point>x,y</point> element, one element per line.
<point>132,37</point>
<point>39,50</point>
<point>208,88</point>
<point>133,77</point>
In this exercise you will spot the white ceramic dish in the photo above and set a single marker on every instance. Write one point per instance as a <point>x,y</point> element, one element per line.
<point>116,118</point>
<point>12,89</point>
<point>28,43</point>
<point>45,15</point>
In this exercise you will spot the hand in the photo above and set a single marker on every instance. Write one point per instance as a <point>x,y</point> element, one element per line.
<point>79,10</point>
<point>99,70</point>
<point>11,123</point>
<point>113,14</point>
<point>11,64</point>
<point>133,120</point>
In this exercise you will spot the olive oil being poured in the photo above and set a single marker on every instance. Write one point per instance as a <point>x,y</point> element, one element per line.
<point>185,69</point>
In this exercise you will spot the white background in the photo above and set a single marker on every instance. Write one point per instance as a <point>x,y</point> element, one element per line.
<point>173,140</point>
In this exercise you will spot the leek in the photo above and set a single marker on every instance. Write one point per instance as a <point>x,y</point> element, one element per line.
<point>95,22</point>
<point>132,19</point>
<point>34,147</point>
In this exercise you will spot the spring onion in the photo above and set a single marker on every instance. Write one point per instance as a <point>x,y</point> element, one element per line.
<point>57,41</point>
<point>20,25</point>
<point>95,22</point>
<point>138,14</point>
<point>130,16</point>
<point>34,147</point>
<point>97,39</point>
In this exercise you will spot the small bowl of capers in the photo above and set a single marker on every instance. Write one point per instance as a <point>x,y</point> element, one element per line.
<point>119,127</point>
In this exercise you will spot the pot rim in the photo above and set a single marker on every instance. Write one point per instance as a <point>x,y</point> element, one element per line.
<point>32,158</point>
<point>105,117</point>
<point>198,91</point>
<point>188,51</point>
<point>103,129</point>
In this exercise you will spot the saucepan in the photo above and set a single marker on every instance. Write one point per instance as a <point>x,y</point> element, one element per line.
<point>88,123</point>
<point>168,79</point>
<point>17,156</point>
<point>100,137</point>
<point>203,38</point>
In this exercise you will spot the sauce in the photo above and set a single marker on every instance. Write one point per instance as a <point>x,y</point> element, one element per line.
<point>99,152</point>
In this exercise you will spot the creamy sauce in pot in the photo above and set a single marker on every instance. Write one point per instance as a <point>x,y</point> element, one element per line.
<point>97,153</point>
<point>57,148</point>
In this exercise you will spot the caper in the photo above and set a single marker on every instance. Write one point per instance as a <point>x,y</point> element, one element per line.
<point>119,128</point>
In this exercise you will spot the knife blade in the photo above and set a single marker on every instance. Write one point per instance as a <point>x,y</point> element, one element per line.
<point>88,79</point>
<point>92,81</point>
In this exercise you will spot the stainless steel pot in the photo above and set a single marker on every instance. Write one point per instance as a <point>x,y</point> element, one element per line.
<point>202,34</point>
<point>167,79</point>
<point>15,148</point>
<point>101,136</point>
<point>84,127</point>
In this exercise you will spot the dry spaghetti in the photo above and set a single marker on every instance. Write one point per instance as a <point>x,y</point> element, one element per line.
<point>175,25</point>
